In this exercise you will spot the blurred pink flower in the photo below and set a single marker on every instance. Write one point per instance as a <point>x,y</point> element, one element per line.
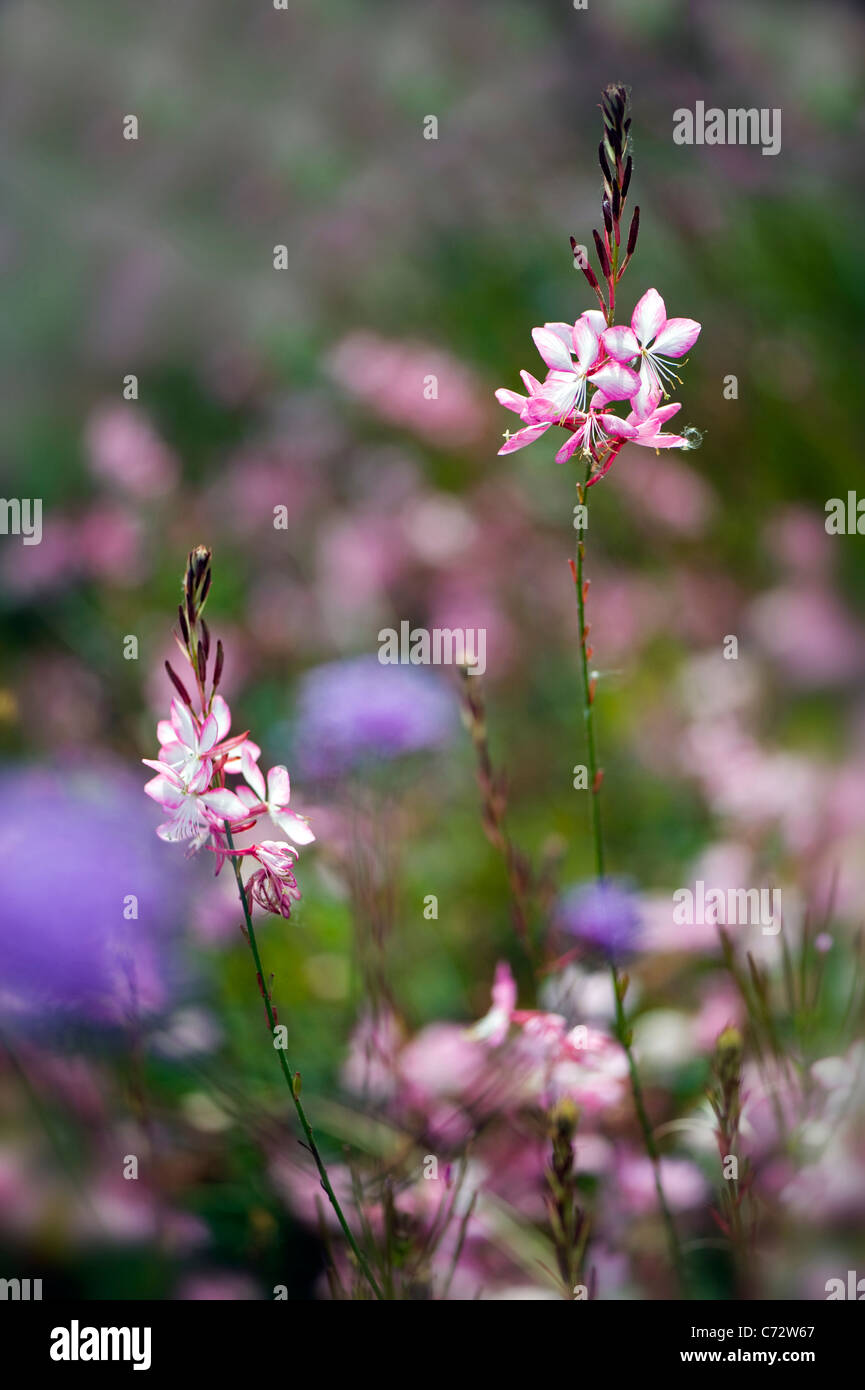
<point>124,449</point>
<point>683,1183</point>
<point>410,384</point>
<point>807,632</point>
<point>669,492</point>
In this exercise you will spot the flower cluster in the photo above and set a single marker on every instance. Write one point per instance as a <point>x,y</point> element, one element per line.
<point>196,756</point>
<point>594,366</point>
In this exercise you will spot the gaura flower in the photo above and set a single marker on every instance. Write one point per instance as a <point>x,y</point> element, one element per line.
<point>274,885</point>
<point>561,398</point>
<point>654,342</point>
<point>186,745</point>
<point>594,430</point>
<point>193,811</point>
<point>564,390</point>
<point>273,799</point>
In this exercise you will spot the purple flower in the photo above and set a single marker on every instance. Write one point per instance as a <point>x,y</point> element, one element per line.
<point>357,710</point>
<point>78,852</point>
<point>604,915</point>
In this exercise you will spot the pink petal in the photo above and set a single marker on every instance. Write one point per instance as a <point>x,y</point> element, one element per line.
<point>611,424</point>
<point>555,400</point>
<point>166,732</point>
<point>219,708</point>
<point>565,331</point>
<point>278,786</point>
<point>170,831</point>
<point>551,348</point>
<point>586,344</point>
<point>648,317</point>
<point>209,734</point>
<point>571,446</point>
<point>511,400</point>
<point>295,827</point>
<point>666,412</point>
<point>224,803</point>
<point>165,792</point>
<point>676,337</point>
<point>649,395</point>
<point>617,382</point>
<point>668,441</point>
<point>530,382</point>
<point>595,319</point>
<point>252,773</point>
<point>184,725</point>
<point>234,761</point>
<point>621,344</point>
<point>524,437</point>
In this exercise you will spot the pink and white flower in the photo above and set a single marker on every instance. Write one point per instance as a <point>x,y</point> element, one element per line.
<point>654,341</point>
<point>273,799</point>
<point>274,886</point>
<point>187,745</point>
<point>194,813</point>
<point>564,391</point>
<point>595,430</point>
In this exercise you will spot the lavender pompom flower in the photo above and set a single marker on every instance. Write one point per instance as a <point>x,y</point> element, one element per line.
<point>357,711</point>
<point>604,916</point>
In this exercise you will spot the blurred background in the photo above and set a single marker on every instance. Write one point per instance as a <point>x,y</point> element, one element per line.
<point>303,388</point>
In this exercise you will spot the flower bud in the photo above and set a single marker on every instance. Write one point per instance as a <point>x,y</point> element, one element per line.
<point>602,255</point>
<point>634,231</point>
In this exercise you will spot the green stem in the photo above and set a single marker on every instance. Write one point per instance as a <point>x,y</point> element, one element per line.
<point>290,1082</point>
<point>622,1031</point>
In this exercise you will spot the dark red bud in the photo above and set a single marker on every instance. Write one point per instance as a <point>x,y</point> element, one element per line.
<point>602,255</point>
<point>634,231</point>
<point>590,276</point>
<point>626,181</point>
<point>605,167</point>
<point>178,685</point>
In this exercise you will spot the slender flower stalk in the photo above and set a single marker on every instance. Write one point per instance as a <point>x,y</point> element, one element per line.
<point>196,757</point>
<point>493,810</point>
<point>633,365</point>
<point>620,980</point>
<point>292,1078</point>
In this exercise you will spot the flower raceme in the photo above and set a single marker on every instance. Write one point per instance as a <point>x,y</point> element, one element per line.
<point>614,363</point>
<point>196,756</point>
